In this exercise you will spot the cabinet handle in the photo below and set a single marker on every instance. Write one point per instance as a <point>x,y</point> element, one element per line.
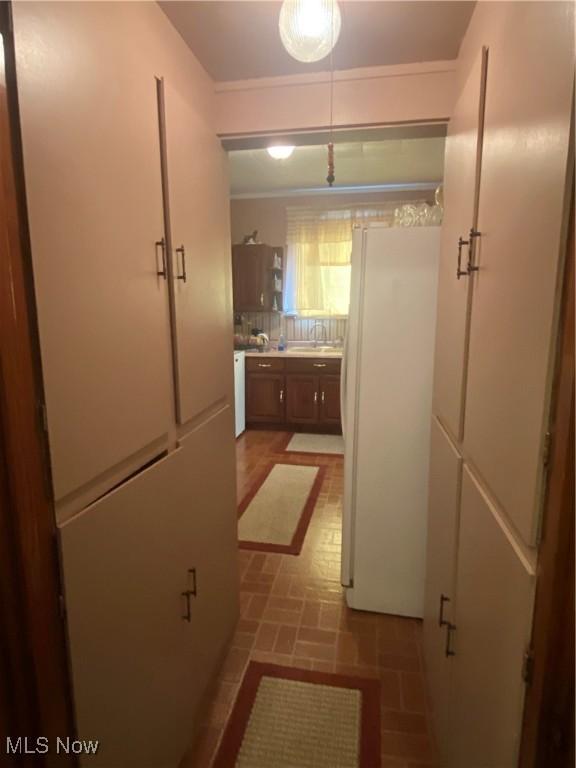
<point>182,253</point>
<point>194,590</point>
<point>441,620</point>
<point>188,613</point>
<point>322,396</point>
<point>162,245</point>
<point>315,397</point>
<point>188,593</point>
<point>281,395</point>
<point>264,365</point>
<point>459,271</point>
<point>319,365</point>
<point>261,299</point>
<point>473,234</point>
<point>448,650</point>
<point>471,238</point>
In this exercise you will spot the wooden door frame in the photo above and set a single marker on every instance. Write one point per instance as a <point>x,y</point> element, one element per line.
<point>548,730</point>
<point>35,698</point>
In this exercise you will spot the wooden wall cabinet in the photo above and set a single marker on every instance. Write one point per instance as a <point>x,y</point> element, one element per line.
<point>293,392</point>
<point>258,277</point>
<point>505,206</point>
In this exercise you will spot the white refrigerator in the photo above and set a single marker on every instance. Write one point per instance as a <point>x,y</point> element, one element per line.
<point>386,393</point>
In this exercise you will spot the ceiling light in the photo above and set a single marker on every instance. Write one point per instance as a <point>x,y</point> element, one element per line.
<point>309,29</point>
<point>280,152</point>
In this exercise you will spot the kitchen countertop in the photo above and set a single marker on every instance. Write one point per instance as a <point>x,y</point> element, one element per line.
<point>313,353</point>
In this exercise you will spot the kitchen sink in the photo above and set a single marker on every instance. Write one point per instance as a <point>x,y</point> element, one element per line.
<point>314,351</point>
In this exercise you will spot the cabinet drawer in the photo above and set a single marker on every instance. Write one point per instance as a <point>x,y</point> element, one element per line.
<point>314,365</point>
<point>264,364</point>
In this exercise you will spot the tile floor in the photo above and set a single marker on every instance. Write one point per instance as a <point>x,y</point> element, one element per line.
<point>293,613</point>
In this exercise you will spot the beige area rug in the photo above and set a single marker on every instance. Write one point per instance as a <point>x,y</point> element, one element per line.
<point>276,512</point>
<point>295,718</point>
<point>302,442</point>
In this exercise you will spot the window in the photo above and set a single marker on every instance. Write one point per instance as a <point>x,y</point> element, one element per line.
<point>318,265</point>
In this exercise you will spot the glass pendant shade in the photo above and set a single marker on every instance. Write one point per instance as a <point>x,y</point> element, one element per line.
<point>309,29</point>
<point>280,151</point>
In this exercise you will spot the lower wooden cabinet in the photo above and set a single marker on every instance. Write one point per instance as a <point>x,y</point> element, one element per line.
<point>294,392</point>
<point>477,618</point>
<point>265,397</point>
<point>330,400</point>
<point>302,403</point>
<point>151,600</point>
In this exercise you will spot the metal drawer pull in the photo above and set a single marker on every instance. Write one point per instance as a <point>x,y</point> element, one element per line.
<point>449,629</point>
<point>281,395</point>
<point>264,365</point>
<point>162,245</point>
<point>471,237</point>
<point>315,397</point>
<point>441,620</point>
<point>188,593</point>
<point>261,299</point>
<point>194,590</point>
<point>459,271</point>
<point>188,614</point>
<point>322,396</point>
<point>182,252</point>
<point>473,234</point>
<point>319,365</point>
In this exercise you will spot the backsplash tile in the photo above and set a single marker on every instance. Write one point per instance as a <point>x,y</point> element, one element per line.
<point>293,328</point>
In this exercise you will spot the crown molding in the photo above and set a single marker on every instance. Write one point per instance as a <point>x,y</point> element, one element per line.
<point>344,75</point>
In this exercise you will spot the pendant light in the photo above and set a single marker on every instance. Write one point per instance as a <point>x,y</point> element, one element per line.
<point>309,29</point>
<point>280,151</point>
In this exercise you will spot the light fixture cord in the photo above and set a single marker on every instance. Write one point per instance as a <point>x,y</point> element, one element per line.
<point>331,178</point>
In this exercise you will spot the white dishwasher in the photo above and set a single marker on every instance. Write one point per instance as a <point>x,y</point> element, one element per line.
<point>239,392</point>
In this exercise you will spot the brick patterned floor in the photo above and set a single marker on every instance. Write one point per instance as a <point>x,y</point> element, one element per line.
<point>293,613</point>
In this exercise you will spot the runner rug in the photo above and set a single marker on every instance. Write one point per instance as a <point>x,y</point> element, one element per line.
<point>276,512</point>
<point>302,442</point>
<point>285,717</point>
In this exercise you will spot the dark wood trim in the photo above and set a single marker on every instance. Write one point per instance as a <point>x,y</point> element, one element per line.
<point>548,733</point>
<point>369,756</point>
<point>33,664</point>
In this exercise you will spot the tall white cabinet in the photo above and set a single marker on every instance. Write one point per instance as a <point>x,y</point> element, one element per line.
<point>137,363</point>
<point>506,173</point>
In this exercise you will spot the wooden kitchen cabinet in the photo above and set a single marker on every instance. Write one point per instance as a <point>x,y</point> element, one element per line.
<point>265,397</point>
<point>330,400</point>
<point>299,392</point>
<point>257,278</point>
<point>303,397</point>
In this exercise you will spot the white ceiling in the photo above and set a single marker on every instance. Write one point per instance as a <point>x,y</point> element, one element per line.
<point>364,164</point>
<point>240,40</point>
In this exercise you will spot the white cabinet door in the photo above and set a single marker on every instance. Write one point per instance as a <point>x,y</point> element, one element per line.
<point>123,579</point>
<point>443,510</point>
<point>93,185</point>
<point>201,262</point>
<point>461,179</point>
<point>209,545</point>
<point>522,195</point>
<point>493,619</point>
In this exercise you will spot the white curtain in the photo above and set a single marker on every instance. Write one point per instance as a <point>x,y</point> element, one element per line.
<point>319,245</point>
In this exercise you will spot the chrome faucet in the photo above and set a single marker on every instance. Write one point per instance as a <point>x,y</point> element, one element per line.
<point>313,329</point>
